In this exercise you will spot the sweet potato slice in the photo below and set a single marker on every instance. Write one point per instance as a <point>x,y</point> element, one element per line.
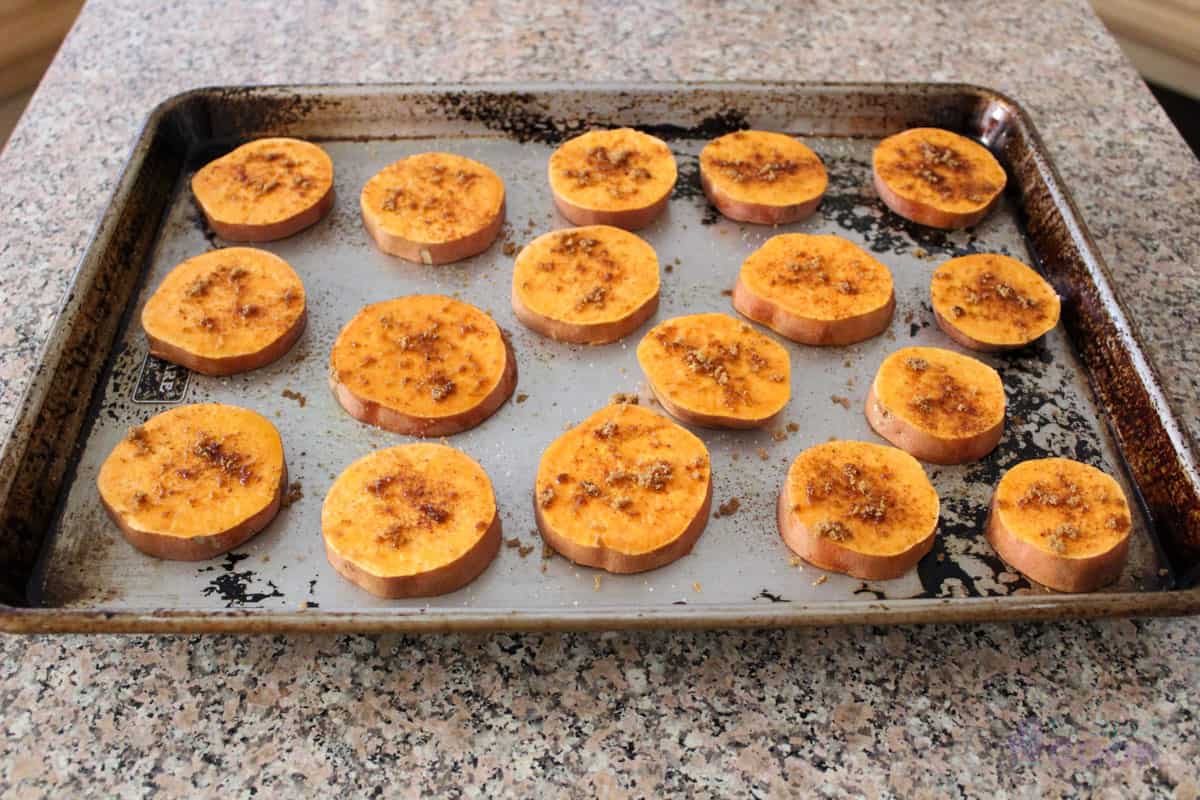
<point>938,405</point>
<point>226,311</point>
<point>616,177</point>
<point>194,482</point>
<point>265,190</point>
<point>424,365</point>
<point>588,285</point>
<point>937,178</point>
<point>1064,524</point>
<point>991,302</point>
<point>715,371</point>
<point>411,521</point>
<point>626,490</point>
<point>434,208</point>
<point>762,177</point>
<point>819,290</point>
<point>863,509</point>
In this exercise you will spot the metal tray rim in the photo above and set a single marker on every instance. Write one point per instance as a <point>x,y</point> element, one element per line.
<point>15,619</point>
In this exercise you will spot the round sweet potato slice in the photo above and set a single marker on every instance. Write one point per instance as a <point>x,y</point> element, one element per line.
<point>411,521</point>
<point>938,405</point>
<point>817,290</point>
<point>991,302</point>
<point>423,365</point>
<point>265,190</point>
<point>194,482</point>
<point>937,178</point>
<point>626,490</point>
<point>858,508</point>
<point>434,208</point>
<point>762,177</point>
<point>1064,524</point>
<point>715,371</point>
<point>618,177</point>
<point>590,285</point>
<point>226,311</point>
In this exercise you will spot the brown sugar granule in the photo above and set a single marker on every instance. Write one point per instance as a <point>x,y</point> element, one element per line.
<point>833,530</point>
<point>589,488</point>
<point>546,497</point>
<point>606,431</point>
<point>434,513</point>
<point>138,438</point>
<point>522,397</point>
<point>728,508</point>
<point>844,402</point>
<point>299,398</point>
<point>916,364</point>
<point>595,296</point>
<point>231,463</point>
<point>441,390</point>
<point>655,476</point>
<point>294,494</point>
<point>380,485</point>
<point>623,398</point>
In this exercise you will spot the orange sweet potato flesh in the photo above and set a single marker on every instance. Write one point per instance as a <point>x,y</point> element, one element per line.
<point>434,208</point>
<point>1064,524</point>
<point>991,302</point>
<point>817,290</point>
<point>194,482</point>
<point>226,311</point>
<point>589,285</point>
<point>411,521</point>
<point>423,365</point>
<point>715,371</point>
<point>858,508</point>
<point>937,178</point>
<point>938,405</point>
<point>762,177</point>
<point>626,490</point>
<point>618,177</point>
<point>266,189</point>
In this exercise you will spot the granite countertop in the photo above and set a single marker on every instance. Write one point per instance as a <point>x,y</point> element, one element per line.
<point>1078,708</point>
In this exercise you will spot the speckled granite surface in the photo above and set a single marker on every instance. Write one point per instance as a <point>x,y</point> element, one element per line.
<point>1077,709</point>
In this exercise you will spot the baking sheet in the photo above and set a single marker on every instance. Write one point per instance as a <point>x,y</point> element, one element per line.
<point>740,561</point>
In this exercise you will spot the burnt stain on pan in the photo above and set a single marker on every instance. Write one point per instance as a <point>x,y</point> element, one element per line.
<point>235,586</point>
<point>515,114</point>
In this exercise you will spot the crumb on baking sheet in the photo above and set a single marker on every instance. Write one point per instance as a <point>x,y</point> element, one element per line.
<point>820,580</point>
<point>795,561</point>
<point>763,455</point>
<point>696,587</point>
<point>522,397</point>
<point>595,583</point>
<point>297,396</point>
<point>838,399</point>
<point>792,427</point>
<point>294,493</point>
<point>728,508</point>
<point>779,436</point>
